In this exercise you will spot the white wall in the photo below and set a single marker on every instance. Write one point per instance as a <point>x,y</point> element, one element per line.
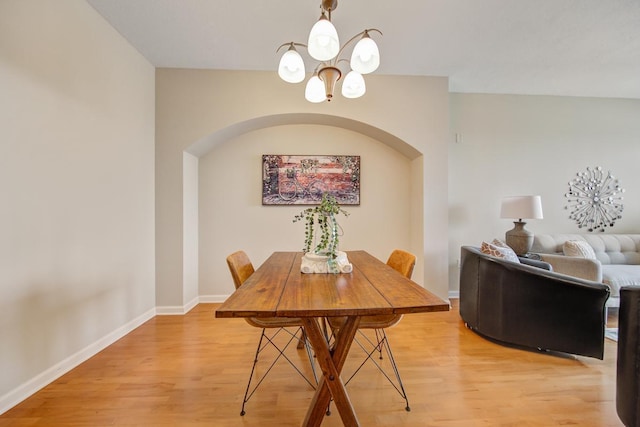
<point>232,216</point>
<point>77,190</point>
<point>518,145</point>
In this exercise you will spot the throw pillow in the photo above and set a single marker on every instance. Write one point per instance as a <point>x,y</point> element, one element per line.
<point>578,248</point>
<point>500,243</point>
<point>499,251</point>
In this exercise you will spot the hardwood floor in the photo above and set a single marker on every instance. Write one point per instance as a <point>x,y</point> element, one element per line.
<point>192,370</point>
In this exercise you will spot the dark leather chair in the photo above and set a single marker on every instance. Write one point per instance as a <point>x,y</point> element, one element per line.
<point>628,369</point>
<point>528,306</point>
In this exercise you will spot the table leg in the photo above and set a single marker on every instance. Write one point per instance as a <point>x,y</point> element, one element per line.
<point>331,363</point>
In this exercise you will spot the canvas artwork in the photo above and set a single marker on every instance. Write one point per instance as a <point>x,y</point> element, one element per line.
<point>302,180</point>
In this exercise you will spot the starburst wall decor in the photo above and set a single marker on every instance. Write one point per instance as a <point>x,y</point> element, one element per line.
<point>594,199</point>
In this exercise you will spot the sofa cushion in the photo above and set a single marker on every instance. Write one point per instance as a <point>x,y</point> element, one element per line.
<point>618,275</point>
<point>504,252</point>
<point>609,248</point>
<point>578,248</point>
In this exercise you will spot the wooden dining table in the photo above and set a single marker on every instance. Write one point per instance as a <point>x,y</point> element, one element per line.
<point>279,289</point>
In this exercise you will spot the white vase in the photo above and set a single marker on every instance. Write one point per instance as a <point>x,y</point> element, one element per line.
<point>319,263</point>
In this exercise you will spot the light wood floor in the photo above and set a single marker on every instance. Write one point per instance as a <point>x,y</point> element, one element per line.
<point>191,371</point>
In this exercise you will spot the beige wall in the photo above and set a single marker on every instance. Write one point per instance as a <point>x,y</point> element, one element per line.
<point>77,186</point>
<point>515,145</point>
<point>231,177</point>
<point>238,114</point>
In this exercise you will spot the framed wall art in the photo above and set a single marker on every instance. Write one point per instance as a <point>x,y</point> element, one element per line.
<point>302,180</point>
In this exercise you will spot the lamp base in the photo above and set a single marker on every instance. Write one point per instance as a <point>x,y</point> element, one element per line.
<point>519,239</point>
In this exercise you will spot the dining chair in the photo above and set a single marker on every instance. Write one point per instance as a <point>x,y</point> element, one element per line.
<point>403,262</point>
<point>241,269</point>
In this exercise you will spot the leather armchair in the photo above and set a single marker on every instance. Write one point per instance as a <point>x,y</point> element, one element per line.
<point>628,369</point>
<point>528,306</point>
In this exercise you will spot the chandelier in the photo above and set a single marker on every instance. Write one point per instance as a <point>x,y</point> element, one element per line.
<point>324,46</point>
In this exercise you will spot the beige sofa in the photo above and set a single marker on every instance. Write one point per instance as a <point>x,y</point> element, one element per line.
<point>617,260</point>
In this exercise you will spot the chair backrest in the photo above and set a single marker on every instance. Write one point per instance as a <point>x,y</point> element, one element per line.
<point>403,262</point>
<point>240,267</point>
<point>627,369</point>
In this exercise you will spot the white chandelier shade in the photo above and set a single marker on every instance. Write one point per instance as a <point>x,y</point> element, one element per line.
<point>324,46</point>
<point>291,68</point>
<point>353,85</point>
<point>365,57</point>
<point>314,92</point>
<point>324,43</point>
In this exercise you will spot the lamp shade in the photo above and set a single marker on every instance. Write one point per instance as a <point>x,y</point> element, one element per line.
<point>521,207</point>
<point>314,92</point>
<point>353,85</point>
<point>323,42</point>
<point>365,57</point>
<point>291,68</point>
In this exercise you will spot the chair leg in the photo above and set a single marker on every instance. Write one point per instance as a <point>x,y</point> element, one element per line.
<point>245,399</point>
<point>382,341</point>
<point>394,366</point>
<point>270,340</point>
<point>307,346</point>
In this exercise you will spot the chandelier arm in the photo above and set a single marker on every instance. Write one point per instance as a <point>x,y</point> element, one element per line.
<point>290,44</point>
<point>353,38</point>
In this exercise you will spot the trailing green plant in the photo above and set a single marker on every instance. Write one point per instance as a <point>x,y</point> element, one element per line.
<point>324,216</point>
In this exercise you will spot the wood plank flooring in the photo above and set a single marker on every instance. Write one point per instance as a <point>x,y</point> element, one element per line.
<point>192,370</point>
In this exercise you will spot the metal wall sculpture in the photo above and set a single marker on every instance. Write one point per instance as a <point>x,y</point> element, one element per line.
<point>594,199</point>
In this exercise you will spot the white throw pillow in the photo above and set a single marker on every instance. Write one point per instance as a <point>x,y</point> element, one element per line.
<point>504,252</point>
<point>578,248</point>
<point>500,243</point>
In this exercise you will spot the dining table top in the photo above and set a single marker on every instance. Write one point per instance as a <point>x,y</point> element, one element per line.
<point>278,288</point>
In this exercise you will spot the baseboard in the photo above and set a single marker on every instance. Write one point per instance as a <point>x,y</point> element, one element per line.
<point>171,310</point>
<point>16,396</point>
<point>454,294</point>
<point>213,298</point>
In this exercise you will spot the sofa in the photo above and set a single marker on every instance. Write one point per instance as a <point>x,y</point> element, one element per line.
<point>531,306</point>
<point>616,262</point>
<point>628,362</point>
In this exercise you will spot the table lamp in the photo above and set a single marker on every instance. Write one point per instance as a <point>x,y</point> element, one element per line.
<point>527,207</point>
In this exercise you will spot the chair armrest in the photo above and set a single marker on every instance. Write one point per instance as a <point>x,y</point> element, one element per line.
<point>588,269</point>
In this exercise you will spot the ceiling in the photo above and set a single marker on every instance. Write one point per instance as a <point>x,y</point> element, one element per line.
<point>537,47</point>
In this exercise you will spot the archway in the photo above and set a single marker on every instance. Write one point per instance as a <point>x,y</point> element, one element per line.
<point>202,147</point>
